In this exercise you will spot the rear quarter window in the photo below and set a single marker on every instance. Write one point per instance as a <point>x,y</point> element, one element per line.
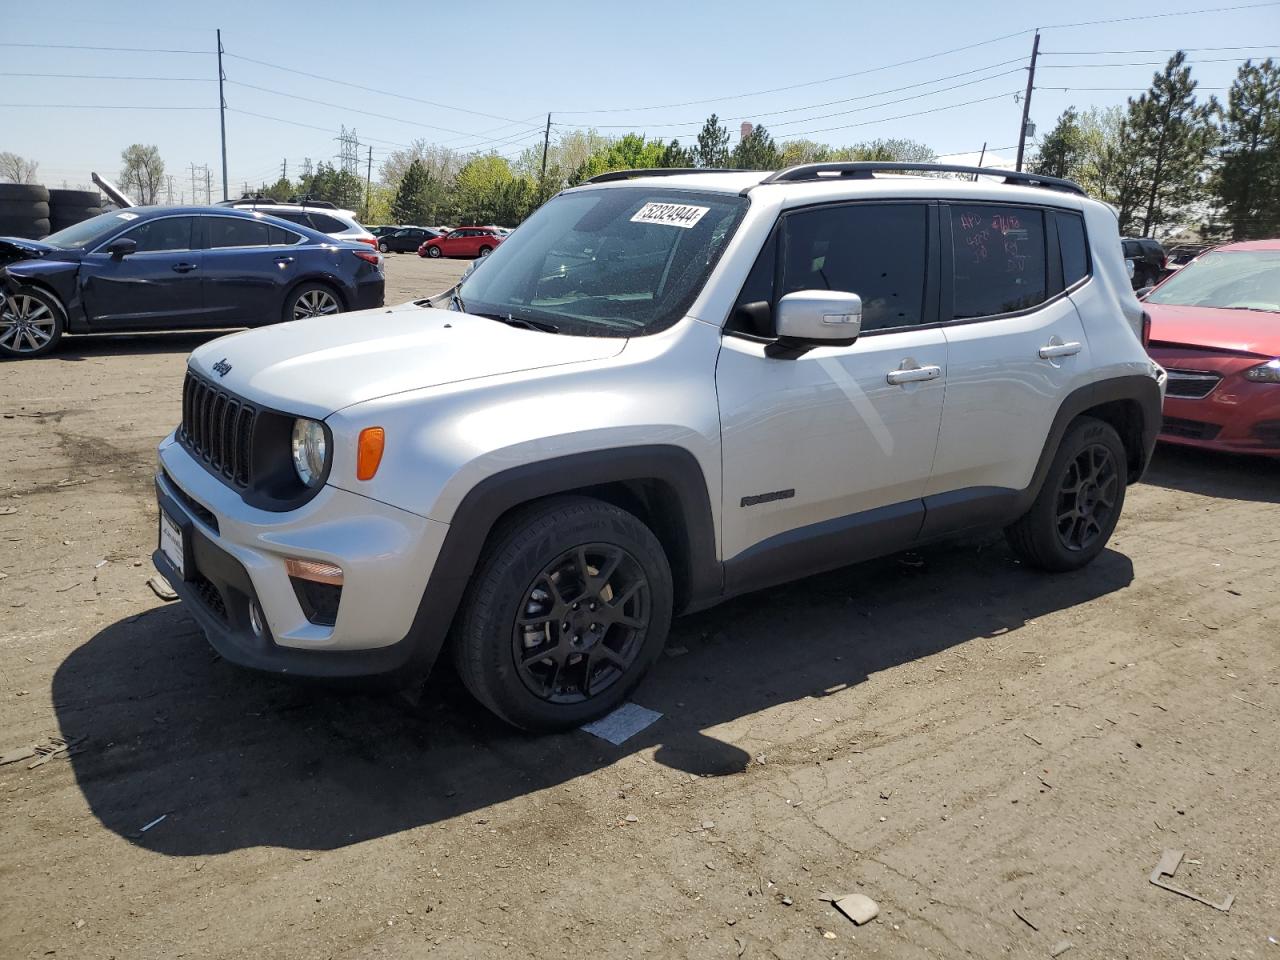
<point>1074,249</point>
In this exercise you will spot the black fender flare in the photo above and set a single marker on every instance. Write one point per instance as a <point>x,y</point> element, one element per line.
<point>491,498</point>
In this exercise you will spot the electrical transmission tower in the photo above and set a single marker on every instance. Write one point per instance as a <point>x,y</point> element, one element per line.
<point>348,152</point>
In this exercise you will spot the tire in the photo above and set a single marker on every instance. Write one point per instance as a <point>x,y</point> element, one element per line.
<point>72,214</point>
<point>27,228</point>
<point>485,251</point>
<point>1083,490</point>
<point>57,224</point>
<point>75,198</point>
<point>382,248</point>
<point>31,324</point>
<point>433,252</point>
<point>32,209</point>
<point>557,538</point>
<point>310,300</point>
<point>24,191</point>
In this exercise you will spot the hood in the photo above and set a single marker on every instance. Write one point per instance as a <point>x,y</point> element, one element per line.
<point>13,249</point>
<point>1239,331</point>
<point>318,366</point>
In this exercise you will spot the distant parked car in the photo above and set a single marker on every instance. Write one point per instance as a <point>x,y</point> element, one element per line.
<point>166,268</point>
<point>339,224</point>
<point>1148,259</point>
<point>1215,327</point>
<point>383,228</point>
<point>405,240</point>
<point>462,242</point>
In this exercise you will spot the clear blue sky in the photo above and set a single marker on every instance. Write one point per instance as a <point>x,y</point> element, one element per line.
<point>514,61</point>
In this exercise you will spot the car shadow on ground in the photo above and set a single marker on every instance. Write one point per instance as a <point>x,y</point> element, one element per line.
<point>85,346</point>
<point>1212,474</point>
<point>236,759</point>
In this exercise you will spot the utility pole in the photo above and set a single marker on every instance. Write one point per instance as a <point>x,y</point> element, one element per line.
<point>222,114</point>
<point>284,169</point>
<point>208,185</point>
<point>546,141</point>
<point>169,193</point>
<point>193,184</point>
<point>1026,100</point>
<point>368,181</point>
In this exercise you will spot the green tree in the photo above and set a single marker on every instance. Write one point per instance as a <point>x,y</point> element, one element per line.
<point>487,191</point>
<point>630,152</point>
<point>756,151</point>
<point>1063,149</point>
<point>329,183</point>
<point>713,144</point>
<point>412,201</point>
<point>143,173</point>
<point>1246,184</point>
<point>892,150</point>
<point>1169,136</point>
<point>674,155</point>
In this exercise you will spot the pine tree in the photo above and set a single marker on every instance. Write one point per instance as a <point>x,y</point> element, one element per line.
<point>756,151</point>
<point>713,144</point>
<point>1247,182</point>
<point>1062,149</point>
<point>674,155</point>
<point>413,196</point>
<point>1170,136</point>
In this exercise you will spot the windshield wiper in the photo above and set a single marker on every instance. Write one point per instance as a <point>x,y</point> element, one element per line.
<point>521,322</point>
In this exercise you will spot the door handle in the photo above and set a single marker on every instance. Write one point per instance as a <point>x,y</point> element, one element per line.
<point>1052,351</point>
<point>913,375</point>
<point>183,267</point>
<point>284,260</point>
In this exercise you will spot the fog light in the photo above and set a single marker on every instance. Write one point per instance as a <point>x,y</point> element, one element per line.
<point>257,622</point>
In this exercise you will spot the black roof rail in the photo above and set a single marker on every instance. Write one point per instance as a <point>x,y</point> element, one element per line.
<point>613,175</point>
<point>866,170</point>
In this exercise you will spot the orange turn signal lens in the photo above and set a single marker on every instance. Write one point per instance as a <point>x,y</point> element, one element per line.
<point>369,452</point>
<point>316,571</point>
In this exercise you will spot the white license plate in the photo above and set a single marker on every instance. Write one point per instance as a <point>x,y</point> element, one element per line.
<point>171,542</point>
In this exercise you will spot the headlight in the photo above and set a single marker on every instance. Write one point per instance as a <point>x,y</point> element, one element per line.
<point>308,451</point>
<point>1268,372</point>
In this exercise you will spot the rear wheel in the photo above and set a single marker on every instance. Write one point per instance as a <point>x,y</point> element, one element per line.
<point>569,607</point>
<point>311,300</point>
<point>382,247</point>
<point>1077,509</point>
<point>31,324</point>
<point>485,251</point>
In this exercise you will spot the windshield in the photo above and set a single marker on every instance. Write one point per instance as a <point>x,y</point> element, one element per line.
<point>620,261</point>
<point>1240,280</point>
<point>87,233</point>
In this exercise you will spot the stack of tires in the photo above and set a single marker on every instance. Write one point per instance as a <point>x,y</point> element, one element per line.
<point>68,207</point>
<point>24,211</point>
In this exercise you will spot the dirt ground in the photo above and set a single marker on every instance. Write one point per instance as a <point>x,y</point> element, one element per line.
<point>997,757</point>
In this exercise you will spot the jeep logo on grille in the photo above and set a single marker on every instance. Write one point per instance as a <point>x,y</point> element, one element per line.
<point>222,368</point>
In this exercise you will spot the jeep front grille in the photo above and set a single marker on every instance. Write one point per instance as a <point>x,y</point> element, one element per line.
<point>217,428</point>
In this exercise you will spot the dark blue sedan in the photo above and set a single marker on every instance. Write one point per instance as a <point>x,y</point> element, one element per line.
<point>172,268</point>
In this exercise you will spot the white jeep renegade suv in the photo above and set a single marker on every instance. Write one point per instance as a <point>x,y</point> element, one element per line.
<point>661,391</point>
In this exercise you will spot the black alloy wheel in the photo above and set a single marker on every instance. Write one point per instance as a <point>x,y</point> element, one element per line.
<point>581,623</point>
<point>1087,498</point>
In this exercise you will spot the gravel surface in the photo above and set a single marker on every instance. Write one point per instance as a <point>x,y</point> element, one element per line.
<point>996,757</point>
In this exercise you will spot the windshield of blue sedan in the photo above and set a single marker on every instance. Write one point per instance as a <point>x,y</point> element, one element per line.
<point>1234,280</point>
<point>616,261</point>
<point>87,233</point>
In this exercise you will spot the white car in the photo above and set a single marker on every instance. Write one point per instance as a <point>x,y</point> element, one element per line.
<point>339,224</point>
<point>660,392</point>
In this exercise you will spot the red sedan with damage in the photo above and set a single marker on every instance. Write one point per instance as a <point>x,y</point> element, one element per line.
<point>1215,326</point>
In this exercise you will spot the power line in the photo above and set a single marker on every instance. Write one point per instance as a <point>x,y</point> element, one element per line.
<point>809,83</point>
<point>94,106</point>
<point>75,46</point>
<point>903,116</point>
<point>1120,89</point>
<point>1133,63</point>
<point>357,86</point>
<point>97,76</point>
<point>1160,16</point>
<point>1090,53</point>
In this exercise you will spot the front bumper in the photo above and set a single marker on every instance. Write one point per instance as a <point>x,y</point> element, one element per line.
<point>1237,415</point>
<point>235,554</point>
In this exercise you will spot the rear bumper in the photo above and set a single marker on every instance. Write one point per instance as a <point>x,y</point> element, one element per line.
<point>369,294</point>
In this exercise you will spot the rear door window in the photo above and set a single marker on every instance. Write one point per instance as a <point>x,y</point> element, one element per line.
<point>998,259</point>
<point>878,251</point>
<point>228,232</point>
<point>165,233</point>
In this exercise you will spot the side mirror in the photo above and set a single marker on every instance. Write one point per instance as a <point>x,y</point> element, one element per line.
<point>820,315</point>
<point>121,248</point>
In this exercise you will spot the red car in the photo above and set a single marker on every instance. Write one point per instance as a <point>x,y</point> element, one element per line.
<point>1215,326</point>
<point>462,242</point>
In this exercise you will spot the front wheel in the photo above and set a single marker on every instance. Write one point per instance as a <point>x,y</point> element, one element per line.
<point>569,607</point>
<point>31,324</point>
<point>311,300</point>
<point>433,252</point>
<point>1077,509</point>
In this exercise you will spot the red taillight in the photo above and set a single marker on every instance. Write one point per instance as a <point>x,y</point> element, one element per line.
<point>366,257</point>
<point>1146,329</point>
<point>371,241</point>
